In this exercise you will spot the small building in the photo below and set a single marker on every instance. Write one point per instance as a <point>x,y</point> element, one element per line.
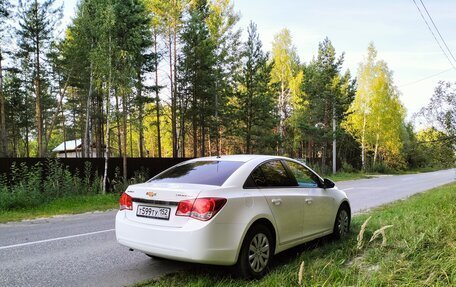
<point>73,148</point>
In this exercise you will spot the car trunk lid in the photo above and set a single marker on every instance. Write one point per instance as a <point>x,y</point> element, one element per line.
<point>156,204</point>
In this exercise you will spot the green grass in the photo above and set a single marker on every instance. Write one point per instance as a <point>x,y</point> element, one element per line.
<point>341,176</point>
<point>65,205</point>
<point>420,251</point>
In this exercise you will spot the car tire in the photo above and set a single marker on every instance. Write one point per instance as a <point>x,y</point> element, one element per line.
<point>342,222</point>
<point>256,252</point>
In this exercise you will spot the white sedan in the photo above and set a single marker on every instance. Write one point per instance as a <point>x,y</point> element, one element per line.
<point>239,209</point>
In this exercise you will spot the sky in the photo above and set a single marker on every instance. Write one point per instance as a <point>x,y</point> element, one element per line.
<point>395,27</point>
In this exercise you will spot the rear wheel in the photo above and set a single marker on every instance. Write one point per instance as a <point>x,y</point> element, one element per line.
<point>342,223</point>
<point>256,252</point>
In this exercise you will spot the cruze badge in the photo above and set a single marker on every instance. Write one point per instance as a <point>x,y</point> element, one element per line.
<point>151,193</point>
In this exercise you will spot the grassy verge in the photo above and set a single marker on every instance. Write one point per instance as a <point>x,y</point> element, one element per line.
<point>341,176</point>
<point>419,250</point>
<point>66,205</point>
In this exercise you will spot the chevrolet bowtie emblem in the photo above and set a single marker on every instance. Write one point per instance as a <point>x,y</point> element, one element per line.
<point>151,193</point>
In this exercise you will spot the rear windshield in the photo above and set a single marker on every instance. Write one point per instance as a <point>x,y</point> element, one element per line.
<point>200,172</point>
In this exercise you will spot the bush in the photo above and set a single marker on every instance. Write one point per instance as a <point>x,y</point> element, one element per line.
<point>348,168</point>
<point>27,187</point>
<point>119,185</point>
<point>23,190</point>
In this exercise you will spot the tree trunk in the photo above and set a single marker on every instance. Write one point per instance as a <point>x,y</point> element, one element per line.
<point>377,138</point>
<point>195,127</point>
<point>173,96</point>
<point>203,130</point>
<point>64,133</point>
<point>38,105</point>
<point>157,97</point>
<point>249,123</point>
<point>281,117</point>
<point>140,117</point>
<point>363,149</point>
<point>124,136</point>
<point>87,144</point>
<point>3,134</point>
<point>175,138</point>
<point>16,138</point>
<point>130,132</point>
<point>334,153</point>
<point>182,135</point>
<point>62,92</point>
<point>119,130</point>
<point>107,145</point>
<point>183,110</point>
<point>99,129</point>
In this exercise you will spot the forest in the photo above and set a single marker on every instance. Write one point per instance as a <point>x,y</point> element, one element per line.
<point>175,78</point>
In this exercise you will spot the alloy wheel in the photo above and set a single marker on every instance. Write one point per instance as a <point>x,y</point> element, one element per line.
<point>343,223</point>
<point>259,252</point>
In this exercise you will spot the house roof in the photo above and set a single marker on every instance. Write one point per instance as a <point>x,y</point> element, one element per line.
<point>70,145</point>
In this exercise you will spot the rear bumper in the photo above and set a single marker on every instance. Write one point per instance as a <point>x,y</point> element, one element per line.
<point>198,241</point>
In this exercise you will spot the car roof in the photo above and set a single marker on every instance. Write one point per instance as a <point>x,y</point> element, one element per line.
<point>239,157</point>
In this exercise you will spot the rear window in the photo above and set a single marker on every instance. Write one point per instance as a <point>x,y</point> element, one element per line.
<point>200,172</point>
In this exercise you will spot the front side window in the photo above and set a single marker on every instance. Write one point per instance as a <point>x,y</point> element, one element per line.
<point>199,172</point>
<point>304,176</point>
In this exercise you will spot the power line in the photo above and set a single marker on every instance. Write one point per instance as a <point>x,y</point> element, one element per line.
<point>425,78</point>
<point>443,40</point>
<point>432,32</point>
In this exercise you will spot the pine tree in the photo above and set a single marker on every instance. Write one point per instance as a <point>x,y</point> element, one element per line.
<point>196,74</point>
<point>221,22</point>
<point>37,21</point>
<point>4,14</point>
<point>18,105</point>
<point>325,99</point>
<point>254,104</point>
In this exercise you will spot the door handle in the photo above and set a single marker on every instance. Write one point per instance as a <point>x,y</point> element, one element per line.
<point>308,201</point>
<point>276,201</point>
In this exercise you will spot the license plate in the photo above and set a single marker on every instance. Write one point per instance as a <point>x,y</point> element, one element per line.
<point>153,212</point>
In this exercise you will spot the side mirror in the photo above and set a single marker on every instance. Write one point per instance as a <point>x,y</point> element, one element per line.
<point>328,183</point>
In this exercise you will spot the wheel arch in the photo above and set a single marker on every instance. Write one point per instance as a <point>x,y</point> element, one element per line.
<point>262,220</point>
<point>346,204</point>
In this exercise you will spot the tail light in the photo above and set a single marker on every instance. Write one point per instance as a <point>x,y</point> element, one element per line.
<point>200,208</point>
<point>126,202</point>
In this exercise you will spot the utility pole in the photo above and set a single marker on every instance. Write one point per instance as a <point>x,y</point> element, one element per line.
<point>334,139</point>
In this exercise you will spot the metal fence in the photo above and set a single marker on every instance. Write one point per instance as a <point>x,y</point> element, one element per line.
<point>147,166</point>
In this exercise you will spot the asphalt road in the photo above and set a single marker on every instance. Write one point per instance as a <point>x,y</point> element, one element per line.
<point>81,250</point>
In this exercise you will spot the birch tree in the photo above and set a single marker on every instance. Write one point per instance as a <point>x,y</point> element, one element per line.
<point>285,75</point>
<point>376,116</point>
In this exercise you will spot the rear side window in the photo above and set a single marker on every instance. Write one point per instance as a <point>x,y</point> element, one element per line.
<point>272,173</point>
<point>200,172</point>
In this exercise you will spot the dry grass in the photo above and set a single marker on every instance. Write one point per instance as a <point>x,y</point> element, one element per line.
<point>381,232</point>
<point>360,237</point>
<point>300,273</point>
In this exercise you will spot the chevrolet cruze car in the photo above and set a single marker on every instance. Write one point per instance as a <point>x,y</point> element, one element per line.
<point>231,210</point>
